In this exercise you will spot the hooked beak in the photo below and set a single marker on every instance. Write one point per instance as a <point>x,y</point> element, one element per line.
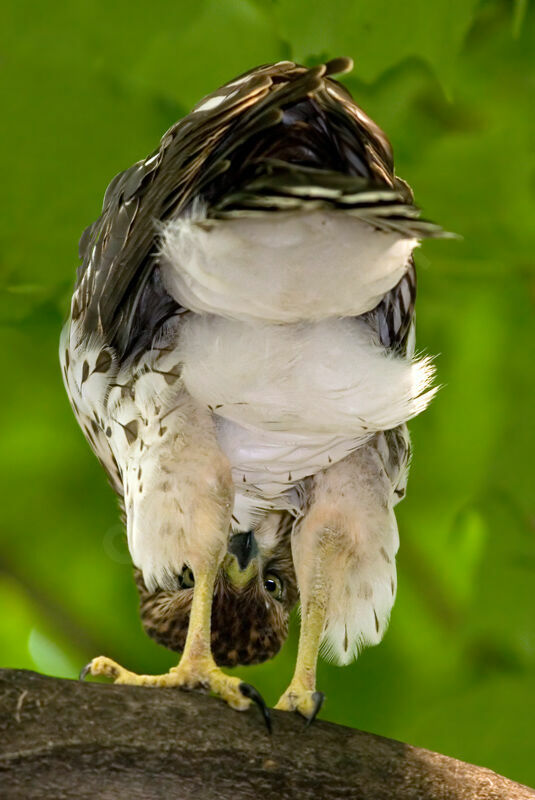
<point>239,563</point>
<point>244,547</point>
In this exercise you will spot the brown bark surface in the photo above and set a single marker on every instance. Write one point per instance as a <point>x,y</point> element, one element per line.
<point>66,739</point>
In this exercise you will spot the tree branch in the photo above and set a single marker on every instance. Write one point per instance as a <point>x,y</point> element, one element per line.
<point>65,739</point>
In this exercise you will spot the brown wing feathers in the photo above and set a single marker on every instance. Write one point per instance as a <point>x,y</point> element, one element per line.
<point>280,136</point>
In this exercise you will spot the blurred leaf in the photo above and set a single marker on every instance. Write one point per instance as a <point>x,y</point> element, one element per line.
<point>48,657</point>
<point>190,60</point>
<point>520,8</point>
<point>503,585</point>
<point>379,33</point>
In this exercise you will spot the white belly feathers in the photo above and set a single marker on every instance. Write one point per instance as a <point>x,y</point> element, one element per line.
<point>290,399</point>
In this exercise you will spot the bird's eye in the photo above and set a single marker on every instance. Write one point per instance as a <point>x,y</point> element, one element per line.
<point>273,585</point>
<point>186,579</point>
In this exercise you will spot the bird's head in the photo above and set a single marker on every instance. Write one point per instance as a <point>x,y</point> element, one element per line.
<point>254,594</point>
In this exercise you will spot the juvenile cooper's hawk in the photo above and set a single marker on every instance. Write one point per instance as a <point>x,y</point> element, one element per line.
<point>240,356</point>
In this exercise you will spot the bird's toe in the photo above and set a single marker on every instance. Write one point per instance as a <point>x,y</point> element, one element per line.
<point>106,668</point>
<point>306,702</point>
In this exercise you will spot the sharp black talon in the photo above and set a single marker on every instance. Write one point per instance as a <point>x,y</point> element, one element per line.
<point>253,694</point>
<point>85,671</point>
<point>318,698</point>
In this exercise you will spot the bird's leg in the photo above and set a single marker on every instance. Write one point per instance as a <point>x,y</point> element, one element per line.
<point>195,495</point>
<point>319,540</point>
<point>344,556</point>
<point>301,694</point>
<point>197,668</point>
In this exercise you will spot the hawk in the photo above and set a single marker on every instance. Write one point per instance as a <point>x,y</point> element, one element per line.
<point>240,356</point>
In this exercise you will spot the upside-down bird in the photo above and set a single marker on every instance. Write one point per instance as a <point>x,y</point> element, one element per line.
<point>240,356</point>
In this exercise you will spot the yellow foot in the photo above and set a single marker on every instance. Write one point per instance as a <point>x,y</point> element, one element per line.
<point>205,676</point>
<point>304,701</point>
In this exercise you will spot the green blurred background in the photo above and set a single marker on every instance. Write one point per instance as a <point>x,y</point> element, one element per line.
<point>87,89</point>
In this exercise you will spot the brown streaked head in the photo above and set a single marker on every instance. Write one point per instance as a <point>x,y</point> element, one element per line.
<point>249,624</point>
